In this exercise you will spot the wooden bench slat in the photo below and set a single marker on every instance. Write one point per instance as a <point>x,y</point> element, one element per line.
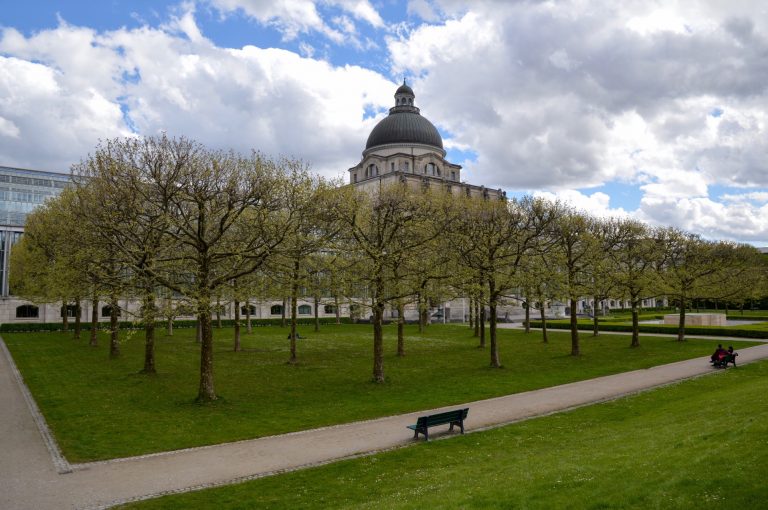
<point>455,417</point>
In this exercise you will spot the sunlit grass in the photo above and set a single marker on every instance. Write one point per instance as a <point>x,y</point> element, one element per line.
<point>100,408</point>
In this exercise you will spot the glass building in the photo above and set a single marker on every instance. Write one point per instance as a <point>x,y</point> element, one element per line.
<point>21,191</point>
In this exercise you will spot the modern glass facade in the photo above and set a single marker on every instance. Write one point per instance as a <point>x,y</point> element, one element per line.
<point>21,191</point>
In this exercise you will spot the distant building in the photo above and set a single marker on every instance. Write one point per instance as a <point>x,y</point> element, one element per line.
<point>406,147</point>
<point>21,191</point>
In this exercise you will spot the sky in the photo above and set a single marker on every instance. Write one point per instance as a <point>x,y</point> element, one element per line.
<point>653,109</point>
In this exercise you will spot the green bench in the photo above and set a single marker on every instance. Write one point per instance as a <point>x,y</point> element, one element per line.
<point>422,425</point>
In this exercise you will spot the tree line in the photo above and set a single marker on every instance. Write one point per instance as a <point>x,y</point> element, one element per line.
<point>172,224</point>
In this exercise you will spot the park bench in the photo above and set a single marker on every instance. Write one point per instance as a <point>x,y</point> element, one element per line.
<point>722,360</point>
<point>422,425</point>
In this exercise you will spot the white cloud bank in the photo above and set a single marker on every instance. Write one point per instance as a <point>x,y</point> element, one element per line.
<point>64,89</point>
<point>668,97</point>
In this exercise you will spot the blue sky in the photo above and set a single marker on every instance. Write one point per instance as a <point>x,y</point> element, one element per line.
<point>643,107</point>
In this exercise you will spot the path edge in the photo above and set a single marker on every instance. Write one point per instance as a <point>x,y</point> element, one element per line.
<point>61,464</point>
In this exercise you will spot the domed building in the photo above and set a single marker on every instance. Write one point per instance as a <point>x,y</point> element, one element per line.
<point>406,147</point>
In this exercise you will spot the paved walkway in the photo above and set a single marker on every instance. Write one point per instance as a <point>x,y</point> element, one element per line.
<point>30,480</point>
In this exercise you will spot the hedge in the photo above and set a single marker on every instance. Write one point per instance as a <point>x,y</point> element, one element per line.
<point>21,327</point>
<point>658,328</point>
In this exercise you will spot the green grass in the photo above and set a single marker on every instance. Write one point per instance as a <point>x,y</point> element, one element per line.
<point>101,409</point>
<point>698,444</point>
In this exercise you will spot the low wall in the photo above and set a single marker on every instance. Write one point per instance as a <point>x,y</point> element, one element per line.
<point>698,319</point>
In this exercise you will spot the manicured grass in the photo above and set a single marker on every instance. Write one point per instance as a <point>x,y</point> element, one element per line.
<point>100,408</point>
<point>697,444</point>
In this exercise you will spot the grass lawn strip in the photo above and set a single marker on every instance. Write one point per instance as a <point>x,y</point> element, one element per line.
<point>100,409</point>
<point>696,444</point>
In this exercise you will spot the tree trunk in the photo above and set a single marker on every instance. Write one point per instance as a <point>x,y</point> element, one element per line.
<point>317,314</point>
<point>238,347</point>
<point>78,312</point>
<point>169,326</point>
<point>94,321</point>
<point>248,325</point>
<point>595,321</point>
<point>481,325</point>
<point>378,342</point>
<point>114,340</point>
<point>282,313</point>
<point>419,307</point>
<point>681,322</point>
<point>336,307</point>
<point>471,313</point>
<point>206,391</point>
<point>492,303</point>
<point>64,317</point>
<point>400,323</point>
<point>575,351</point>
<point>478,313</point>
<point>635,324</point>
<point>544,338</point>
<point>527,316</point>
<point>199,332</point>
<point>148,315</point>
<point>294,305</point>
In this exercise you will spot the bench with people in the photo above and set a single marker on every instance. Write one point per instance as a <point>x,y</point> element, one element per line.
<point>721,357</point>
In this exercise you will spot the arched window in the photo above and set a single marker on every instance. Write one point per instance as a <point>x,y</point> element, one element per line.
<point>305,310</point>
<point>106,311</point>
<point>276,310</point>
<point>27,312</point>
<point>244,310</point>
<point>373,170</point>
<point>432,169</point>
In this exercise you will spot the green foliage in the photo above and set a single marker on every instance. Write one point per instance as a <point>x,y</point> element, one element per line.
<point>99,409</point>
<point>687,446</point>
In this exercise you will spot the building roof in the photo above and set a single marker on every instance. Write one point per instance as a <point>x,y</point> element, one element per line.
<point>404,125</point>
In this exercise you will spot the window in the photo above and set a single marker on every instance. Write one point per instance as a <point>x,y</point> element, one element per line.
<point>392,166</point>
<point>27,312</point>
<point>106,311</point>
<point>406,167</point>
<point>71,310</point>
<point>276,310</point>
<point>453,175</point>
<point>244,310</point>
<point>372,170</point>
<point>329,308</point>
<point>354,177</point>
<point>305,310</point>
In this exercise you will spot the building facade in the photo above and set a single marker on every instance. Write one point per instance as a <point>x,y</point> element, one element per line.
<point>406,147</point>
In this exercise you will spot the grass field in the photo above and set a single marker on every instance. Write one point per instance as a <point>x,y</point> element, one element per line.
<point>102,409</point>
<point>698,444</point>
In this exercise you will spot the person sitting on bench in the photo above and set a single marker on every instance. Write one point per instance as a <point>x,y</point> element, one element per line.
<point>719,353</point>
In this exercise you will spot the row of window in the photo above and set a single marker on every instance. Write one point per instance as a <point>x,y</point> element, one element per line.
<point>31,181</point>
<point>430,169</point>
<point>33,312</point>
<point>303,309</point>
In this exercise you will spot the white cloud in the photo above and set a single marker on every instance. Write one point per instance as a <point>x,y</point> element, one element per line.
<point>153,80</point>
<point>597,204</point>
<point>295,17</point>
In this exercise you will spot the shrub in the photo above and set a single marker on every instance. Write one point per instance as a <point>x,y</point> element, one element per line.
<point>659,328</point>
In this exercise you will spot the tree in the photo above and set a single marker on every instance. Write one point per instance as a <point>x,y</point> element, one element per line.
<point>200,219</point>
<point>575,245</point>
<point>493,238</point>
<point>636,255</point>
<point>378,230</point>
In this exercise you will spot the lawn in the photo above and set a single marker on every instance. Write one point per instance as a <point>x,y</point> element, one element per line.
<point>693,445</point>
<point>100,408</point>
